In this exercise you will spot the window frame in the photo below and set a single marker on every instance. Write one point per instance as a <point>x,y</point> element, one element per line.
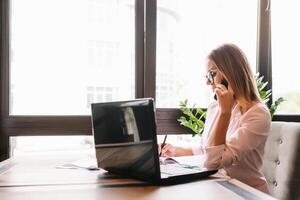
<point>45,125</point>
<point>264,54</point>
<point>145,80</point>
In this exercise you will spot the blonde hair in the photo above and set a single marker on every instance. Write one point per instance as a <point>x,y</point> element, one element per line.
<point>233,64</point>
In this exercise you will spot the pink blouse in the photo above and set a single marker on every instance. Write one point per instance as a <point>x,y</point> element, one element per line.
<point>242,155</point>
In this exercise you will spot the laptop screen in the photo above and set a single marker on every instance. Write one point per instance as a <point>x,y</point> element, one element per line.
<point>125,138</point>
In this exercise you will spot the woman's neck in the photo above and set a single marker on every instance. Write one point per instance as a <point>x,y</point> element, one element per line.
<point>245,105</point>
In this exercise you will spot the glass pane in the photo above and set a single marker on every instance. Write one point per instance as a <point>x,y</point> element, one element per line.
<point>51,144</point>
<point>186,32</point>
<point>66,54</point>
<point>29,145</point>
<point>285,49</point>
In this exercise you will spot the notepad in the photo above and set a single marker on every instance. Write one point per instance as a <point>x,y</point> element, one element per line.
<point>167,160</point>
<point>89,164</point>
<point>196,160</point>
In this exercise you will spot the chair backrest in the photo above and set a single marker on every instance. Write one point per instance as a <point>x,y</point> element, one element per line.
<point>282,160</point>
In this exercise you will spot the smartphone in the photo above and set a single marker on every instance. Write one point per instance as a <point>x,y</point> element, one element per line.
<point>223,82</point>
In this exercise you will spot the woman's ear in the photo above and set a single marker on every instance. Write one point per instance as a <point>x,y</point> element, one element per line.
<point>231,91</point>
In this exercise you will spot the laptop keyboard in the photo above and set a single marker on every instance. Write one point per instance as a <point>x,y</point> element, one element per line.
<point>179,169</point>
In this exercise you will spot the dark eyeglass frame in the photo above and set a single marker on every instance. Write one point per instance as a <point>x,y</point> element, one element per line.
<point>211,76</point>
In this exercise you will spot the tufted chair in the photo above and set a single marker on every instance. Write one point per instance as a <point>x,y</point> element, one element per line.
<point>282,160</point>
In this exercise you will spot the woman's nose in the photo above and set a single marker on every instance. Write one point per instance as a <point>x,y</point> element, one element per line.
<point>208,82</point>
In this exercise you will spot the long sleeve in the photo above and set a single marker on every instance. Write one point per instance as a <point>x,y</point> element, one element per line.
<point>245,134</point>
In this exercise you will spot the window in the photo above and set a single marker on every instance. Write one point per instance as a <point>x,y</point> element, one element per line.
<point>186,33</point>
<point>101,94</point>
<point>58,53</point>
<point>47,145</point>
<point>54,66</point>
<point>285,50</point>
<point>51,144</point>
<point>103,54</point>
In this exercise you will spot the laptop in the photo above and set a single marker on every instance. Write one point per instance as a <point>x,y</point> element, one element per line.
<point>126,143</point>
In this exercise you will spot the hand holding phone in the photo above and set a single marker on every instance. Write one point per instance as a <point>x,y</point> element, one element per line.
<point>223,82</point>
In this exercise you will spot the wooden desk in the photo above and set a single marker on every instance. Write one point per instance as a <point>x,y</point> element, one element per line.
<point>37,177</point>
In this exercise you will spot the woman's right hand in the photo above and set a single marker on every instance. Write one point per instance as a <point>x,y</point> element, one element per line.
<point>168,150</point>
<point>225,98</point>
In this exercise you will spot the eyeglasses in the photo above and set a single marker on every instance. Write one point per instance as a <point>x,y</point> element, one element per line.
<point>211,76</point>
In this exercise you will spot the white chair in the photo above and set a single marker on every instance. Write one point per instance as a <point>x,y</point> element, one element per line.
<point>282,160</point>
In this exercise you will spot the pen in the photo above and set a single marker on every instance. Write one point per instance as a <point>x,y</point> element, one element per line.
<point>162,145</point>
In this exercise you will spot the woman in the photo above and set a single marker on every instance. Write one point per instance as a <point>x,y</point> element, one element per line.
<point>237,123</point>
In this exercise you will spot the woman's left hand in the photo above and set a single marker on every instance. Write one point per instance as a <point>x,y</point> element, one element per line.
<point>225,98</point>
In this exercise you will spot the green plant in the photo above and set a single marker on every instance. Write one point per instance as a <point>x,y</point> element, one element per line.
<point>274,105</point>
<point>264,95</point>
<point>193,118</point>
